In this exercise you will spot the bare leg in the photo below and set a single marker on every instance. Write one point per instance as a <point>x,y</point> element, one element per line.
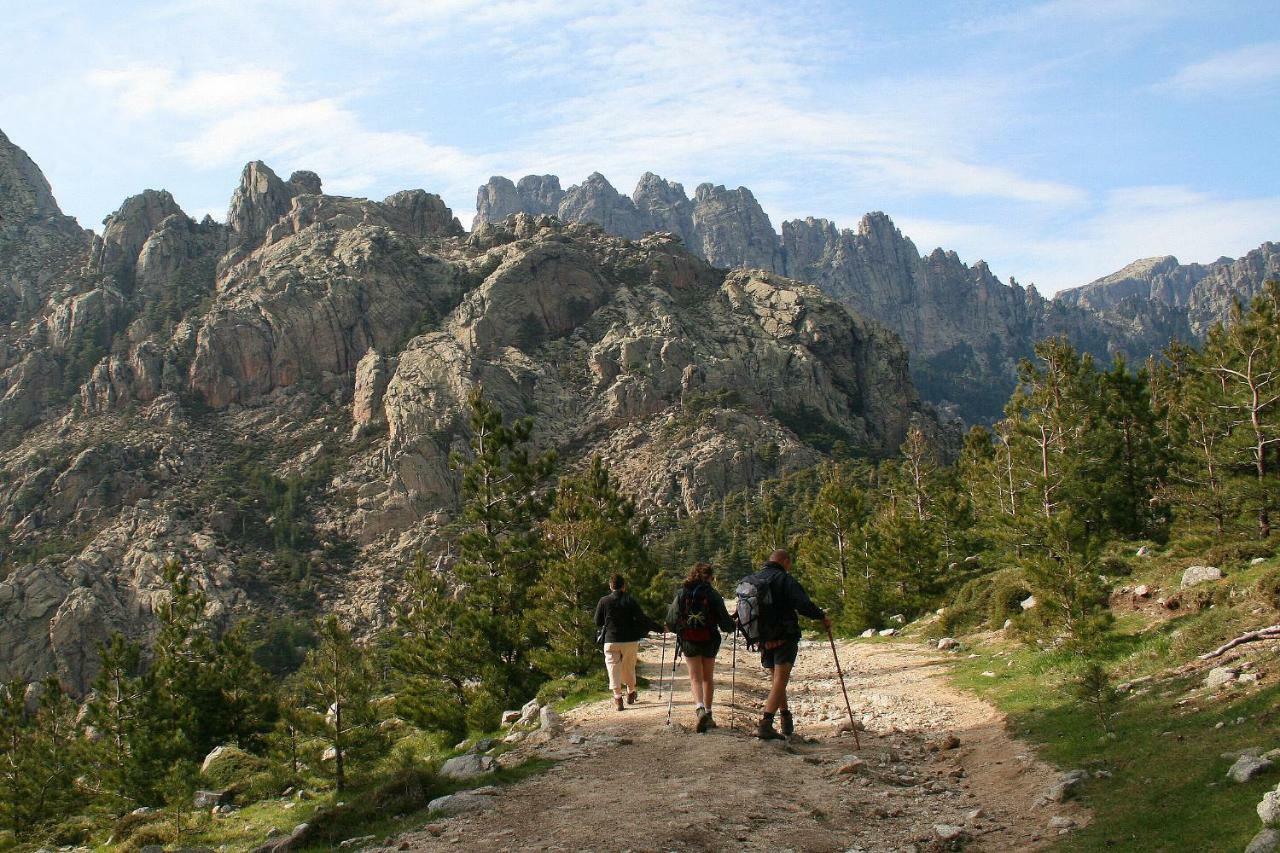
<point>695,679</point>
<point>708,681</point>
<point>779,676</point>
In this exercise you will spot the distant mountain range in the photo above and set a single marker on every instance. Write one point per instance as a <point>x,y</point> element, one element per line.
<point>964,328</point>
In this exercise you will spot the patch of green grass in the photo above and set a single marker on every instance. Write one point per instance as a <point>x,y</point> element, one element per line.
<point>572,691</point>
<point>1168,790</point>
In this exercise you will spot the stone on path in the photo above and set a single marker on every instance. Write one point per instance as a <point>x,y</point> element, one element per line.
<point>1067,786</point>
<point>1219,676</point>
<point>947,832</point>
<point>948,643</point>
<point>510,717</point>
<point>530,710</point>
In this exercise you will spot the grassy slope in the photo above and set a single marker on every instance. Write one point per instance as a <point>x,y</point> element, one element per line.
<point>1168,790</point>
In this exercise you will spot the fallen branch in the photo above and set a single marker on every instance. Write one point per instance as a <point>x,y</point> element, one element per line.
<point>1271,632</point>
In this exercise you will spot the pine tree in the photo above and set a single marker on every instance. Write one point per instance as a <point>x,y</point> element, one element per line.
<point>834,564</point>
<point>123,763</point>
<point>434,651</point>
<point>1243,357</point>
<point>501,549</point>
<point>337,683</point>
<point>1199,433</point>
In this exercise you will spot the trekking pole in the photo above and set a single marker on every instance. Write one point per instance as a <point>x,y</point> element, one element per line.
<point>852,725</point>
<point>662,667</point>
<point>671,691</point>
<point>733,681</point>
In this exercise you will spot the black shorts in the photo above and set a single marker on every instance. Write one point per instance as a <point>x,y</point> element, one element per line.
<point>783,654</point>
<point>700,648</point>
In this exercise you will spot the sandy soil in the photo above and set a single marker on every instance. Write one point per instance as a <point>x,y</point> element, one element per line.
<point>632,783</point>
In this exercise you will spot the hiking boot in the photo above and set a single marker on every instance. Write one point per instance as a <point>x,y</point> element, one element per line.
<point>632,697</point>
<point>786,724</point>
<point>711,721</point>
<point>765,731</point>
<point>617,703</point>
<point>704,720</point>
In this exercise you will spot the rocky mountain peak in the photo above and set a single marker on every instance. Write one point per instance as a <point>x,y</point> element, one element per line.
<point>596,200</point>
<point>260,200</point>
<point>25,194</point>
<point>734,230</point>
<point>305,182</point>
<point>116,252</point>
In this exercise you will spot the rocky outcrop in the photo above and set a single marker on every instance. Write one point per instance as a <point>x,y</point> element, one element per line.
<point>732,230</point>
<point>1203,293</point>
<point>595,200</point>
<point>116,252</point>
<point>665,207</point>
<point>965,329</point>
<point>262,199</point>
<point>38,243</point>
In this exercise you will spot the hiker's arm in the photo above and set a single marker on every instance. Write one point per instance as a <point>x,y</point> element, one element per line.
<point>801,602</point>
<point>600,614</point>
<point>722,615</point>
<point>644,619</point>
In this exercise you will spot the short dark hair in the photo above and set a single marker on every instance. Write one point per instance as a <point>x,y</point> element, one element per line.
<point>617,581</point>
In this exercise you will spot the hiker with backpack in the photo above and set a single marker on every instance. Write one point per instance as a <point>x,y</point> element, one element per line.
<point>769,604</point>
<point>621,624</point>
<point>698,615</point>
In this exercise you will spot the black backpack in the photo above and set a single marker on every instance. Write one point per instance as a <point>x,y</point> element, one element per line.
<point>695,615</point>
<point>756,616</point>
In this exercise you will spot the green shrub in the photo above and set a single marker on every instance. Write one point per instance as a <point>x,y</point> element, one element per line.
<point>969,606</point>
<point>406,790</point>
<point>233,768</point>
<point>1007,594</point>
<point>1115,567</point>
<point>72,831</point>
<point>1237,553</point>
<point>1267,588</point>
<point>157,832</point>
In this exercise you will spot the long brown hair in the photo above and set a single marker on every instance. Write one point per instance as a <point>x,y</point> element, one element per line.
<point>700,573</point>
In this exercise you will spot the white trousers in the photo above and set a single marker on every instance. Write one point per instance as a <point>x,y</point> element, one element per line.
<point>620,660</point>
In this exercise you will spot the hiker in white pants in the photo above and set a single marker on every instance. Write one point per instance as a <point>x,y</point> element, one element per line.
<point>622,624</point>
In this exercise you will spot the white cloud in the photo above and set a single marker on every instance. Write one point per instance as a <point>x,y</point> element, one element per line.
<point>230,118</point>
<point>1244,68</point>
<point>143,90</point>
<point>1130,223</point>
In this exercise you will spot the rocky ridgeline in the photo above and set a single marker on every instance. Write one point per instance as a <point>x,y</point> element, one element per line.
<point>164,381</point>
<point>1203,292</point>
<point>965,329</point>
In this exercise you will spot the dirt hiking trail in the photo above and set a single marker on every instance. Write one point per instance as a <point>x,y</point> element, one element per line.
<point>625,781</point>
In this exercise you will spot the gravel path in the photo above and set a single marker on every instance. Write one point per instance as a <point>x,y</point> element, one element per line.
<point>625,781</point>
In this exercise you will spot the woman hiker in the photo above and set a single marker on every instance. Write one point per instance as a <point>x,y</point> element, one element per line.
<point>622,625</point>
<point>698,615</point>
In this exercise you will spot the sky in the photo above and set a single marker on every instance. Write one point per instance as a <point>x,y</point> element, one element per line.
<point>1056,140</point>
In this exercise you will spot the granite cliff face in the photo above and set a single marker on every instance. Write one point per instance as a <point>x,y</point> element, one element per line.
<point>965,329</point>
<point>273,401</point>
<point>1204,293</point>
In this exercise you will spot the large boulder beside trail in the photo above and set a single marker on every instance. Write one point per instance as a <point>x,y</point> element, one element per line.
<point>464,801</point>
<point>1269,808</point>
<point>1195,575</point>
<point>469,766</point>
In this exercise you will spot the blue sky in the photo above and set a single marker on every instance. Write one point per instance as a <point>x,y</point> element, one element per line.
<point>1057,140</point>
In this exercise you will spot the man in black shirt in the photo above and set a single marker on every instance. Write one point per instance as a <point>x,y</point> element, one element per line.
<point>779,655</point>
